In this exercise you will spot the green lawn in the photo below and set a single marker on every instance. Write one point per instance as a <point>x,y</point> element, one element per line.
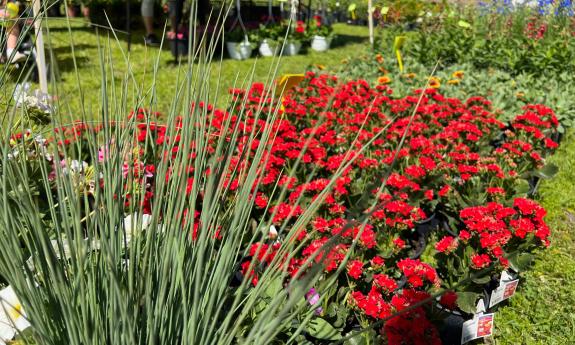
<point>543,311</point>
<point>351,41</point>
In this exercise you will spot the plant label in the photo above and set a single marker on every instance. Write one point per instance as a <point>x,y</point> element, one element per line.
<point>479,327</point>
<point>503,292</point>
<point>506,277</point>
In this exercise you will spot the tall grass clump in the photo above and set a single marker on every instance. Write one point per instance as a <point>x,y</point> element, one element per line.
<point>96,256</point>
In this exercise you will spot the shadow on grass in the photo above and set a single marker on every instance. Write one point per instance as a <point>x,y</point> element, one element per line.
<point>343,40</point>
<point>67,64</point>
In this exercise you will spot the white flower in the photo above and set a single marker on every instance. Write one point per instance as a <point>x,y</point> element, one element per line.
<point>20,93</point>
<point>273,234</point>
<point>14,154</point>
<point>12,316</point>
<point>134,224</point>
<point>38,99</point>
<point>77,166</point>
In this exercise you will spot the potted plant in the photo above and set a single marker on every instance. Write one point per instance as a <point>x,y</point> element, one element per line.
<point>296,35</point>
<point>238,44</point>
<point>321,35</point>
<point>269,35</point>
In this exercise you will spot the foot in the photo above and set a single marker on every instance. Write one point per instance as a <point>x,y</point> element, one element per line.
<point>18,57</point>
<point>152,40</point>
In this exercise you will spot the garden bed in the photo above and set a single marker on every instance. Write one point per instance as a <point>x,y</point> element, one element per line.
<point>396,200</point>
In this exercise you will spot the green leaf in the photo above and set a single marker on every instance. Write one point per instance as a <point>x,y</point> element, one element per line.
<point>521,186</point>
<point>321,329</point>
<point>482,280</point>
<point>548,171</point>
<point>467,301</point>
<point>521,262</point>
<point>361,338</point>
<point>274,287</point>
<point>463,24</point>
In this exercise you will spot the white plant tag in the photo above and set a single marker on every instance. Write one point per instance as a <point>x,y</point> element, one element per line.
<point>506,277</point>
<point>480,308</point>
<point>503,292</point>
<point>478,327</point>
<point>273,233</point>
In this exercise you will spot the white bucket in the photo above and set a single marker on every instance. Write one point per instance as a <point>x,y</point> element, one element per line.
<point>320,43</point>
<point>239,50</point>
<point>267,49</point>
<point>291,48</point>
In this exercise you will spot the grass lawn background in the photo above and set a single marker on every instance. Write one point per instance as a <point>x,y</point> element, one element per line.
<point>542,311</point>
<point>351,41</point>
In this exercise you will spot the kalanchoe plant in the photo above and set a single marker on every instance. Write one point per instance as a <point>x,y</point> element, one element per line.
<point>296,32</point>
<point>305,206</point>
<point>318,27</point>
<point>237,35</point>
<point>270,32</point>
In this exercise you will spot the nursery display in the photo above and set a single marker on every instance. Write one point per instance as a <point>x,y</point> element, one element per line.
<point>393,200</point>
<point>410,184</point>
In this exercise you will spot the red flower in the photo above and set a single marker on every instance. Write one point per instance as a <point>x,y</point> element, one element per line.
<point>385,282</point>
<point>449,300</point>
<point>355,269</point>
<point>479,261</point>
<point>446,245</point>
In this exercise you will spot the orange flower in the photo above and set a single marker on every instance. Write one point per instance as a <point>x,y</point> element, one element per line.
<point>454,82</point>
<point>379,58</point>
<point>458,74</point>
<point>384,80</point>
<point>434,83</point>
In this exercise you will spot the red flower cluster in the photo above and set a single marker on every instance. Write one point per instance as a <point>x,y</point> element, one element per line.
<point>375,166</point>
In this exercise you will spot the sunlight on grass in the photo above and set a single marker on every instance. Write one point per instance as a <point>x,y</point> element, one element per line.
<point>547,297</point>
<point>350,41</point>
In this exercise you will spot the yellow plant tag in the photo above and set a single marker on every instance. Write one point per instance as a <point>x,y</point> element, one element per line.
<point>397,44</point>
<point>288,82</point>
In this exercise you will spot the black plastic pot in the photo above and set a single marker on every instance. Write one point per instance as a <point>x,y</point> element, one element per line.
<point>445,227</point>
<point>401,283</point>
<point>426,226</point>
<point>451,329</point>
<point>533,185</point>
<point>411,26</point>
<point>418,243</point>
<point>488,288</point>
<point>423,229</point>
<point>557,137</point>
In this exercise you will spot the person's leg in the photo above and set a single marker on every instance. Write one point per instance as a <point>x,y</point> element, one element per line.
<point>13,32</point>
<point>71,10</point>
<point>148,15</point>
<point>86,11</point>
<point>176,8</point>
<point>148,18</point>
